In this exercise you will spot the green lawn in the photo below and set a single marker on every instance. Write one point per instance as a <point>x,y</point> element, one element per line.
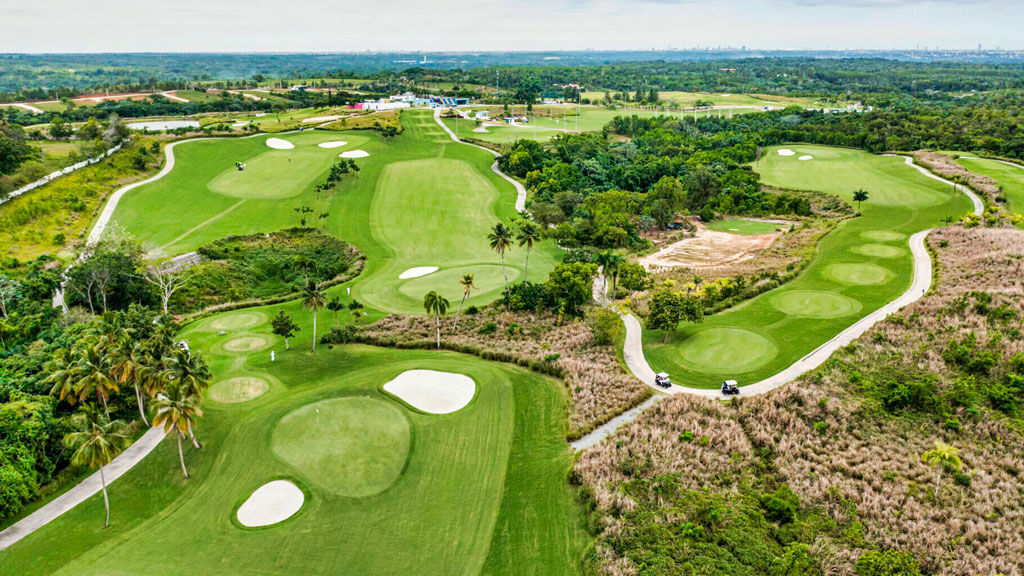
<point>1011,178</point>
<point>746,226</point>
<point>858,267</point>
<point>389,490</point>
<point>688,99</point>
<point>419,200</point>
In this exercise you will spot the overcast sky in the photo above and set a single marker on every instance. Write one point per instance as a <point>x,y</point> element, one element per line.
<point>386,25</point>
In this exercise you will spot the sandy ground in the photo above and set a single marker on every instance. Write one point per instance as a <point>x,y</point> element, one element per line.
<point>25,106</point>
<point>709,249</point>
<point>786,152</point>
<point>321,119</point>
<point>417,272</point>
<point>334,144</point>
<point>808,157</point>
<point>271,503</point>
<point>354,154</point>
<point>433,392</point>
<point>278,144</point>
<point>173,95</point>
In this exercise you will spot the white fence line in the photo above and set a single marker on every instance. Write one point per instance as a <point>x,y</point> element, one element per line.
<point>62,172</point>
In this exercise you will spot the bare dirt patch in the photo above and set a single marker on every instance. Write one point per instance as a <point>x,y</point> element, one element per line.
<point>709,249</point>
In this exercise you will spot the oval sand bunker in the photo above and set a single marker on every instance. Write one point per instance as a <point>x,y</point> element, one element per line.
<point>354,154</point>
<point>334,144</point>
<point>786,152</point>
<point>807,157</point>
<point>431,391</point>
<point>271,503</point>
<point>417,272</point>
<point>278,144</point>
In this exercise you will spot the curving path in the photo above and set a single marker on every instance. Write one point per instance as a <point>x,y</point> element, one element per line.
<point>633,350</point>
<point>979,206</point>
<point>520,189</point>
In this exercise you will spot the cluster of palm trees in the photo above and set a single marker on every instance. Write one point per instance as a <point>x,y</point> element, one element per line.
<point>610,262</point>
<point>502,237</point>
<point>109,357</point>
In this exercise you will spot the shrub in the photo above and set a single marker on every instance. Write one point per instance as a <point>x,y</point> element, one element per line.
<point>488,327</point>
<point>781,506</point>
<point>891,562</point>
<point>605,326</point>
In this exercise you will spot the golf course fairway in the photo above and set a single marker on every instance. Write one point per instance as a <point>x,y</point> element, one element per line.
<point>1009,176</point>
<point>419,200</point>
<point>857,268</point>
<point>387,489</point>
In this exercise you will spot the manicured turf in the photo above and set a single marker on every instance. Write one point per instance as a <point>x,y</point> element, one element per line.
<point>419,200</point>
<point>1011,178</point>
<point>238,389</point>
<point>860,266</point>
<point>746,226</point>
<point>479,491</point>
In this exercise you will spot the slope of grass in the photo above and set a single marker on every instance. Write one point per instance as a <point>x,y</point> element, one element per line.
<point>1009,177</point>
<point>864,260</point>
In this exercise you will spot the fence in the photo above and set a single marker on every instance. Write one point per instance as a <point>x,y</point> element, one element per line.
<point>63,172</point>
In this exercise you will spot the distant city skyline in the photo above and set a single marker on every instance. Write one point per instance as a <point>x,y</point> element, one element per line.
<point>500,25</point>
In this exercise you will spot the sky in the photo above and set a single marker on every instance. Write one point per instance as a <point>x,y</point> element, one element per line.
<point>482,25</point>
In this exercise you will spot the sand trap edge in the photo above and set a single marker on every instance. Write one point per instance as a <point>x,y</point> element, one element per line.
<point>786,152</point>
<point>279,144</point>
<point>332,144</point>
<point>354,154</point>
<point>284,497</point>
<point>432,391</point>
<point>417,271</point>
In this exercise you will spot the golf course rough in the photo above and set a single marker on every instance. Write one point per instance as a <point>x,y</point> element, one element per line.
<point>431,391</point>
<point>860,266</point>
<point>272,503</point>
<point>353,446</point>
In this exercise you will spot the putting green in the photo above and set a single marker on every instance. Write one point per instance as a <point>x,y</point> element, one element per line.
<point>814,304</point>
<point>353,446</point>
<point>240,389</point>
<point>247,343</point>
<point>726,350</point>
<point>237,321</point>
<point>882,235</point>
<point>879,250</point>
<point>857,274</point>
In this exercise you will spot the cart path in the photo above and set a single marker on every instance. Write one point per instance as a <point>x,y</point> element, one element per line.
<point>85,489</point>
<point>979,206</point>
<point>520,189</point>
<point>633,349</point>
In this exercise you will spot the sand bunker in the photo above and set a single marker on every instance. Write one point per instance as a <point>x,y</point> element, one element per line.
<point>240,389</point>
<point>709,249</point>
<point>417,272</point>
<point>320,119</point>
<point>278,144</point>
<point>334,144</point>
<point>271,503</point>
<point>354,154</point>
<point>786,152</point>
<point>433,392</point>
<point>807,157</point>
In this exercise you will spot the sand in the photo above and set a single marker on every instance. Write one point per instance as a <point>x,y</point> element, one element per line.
<point>808,157</point>
<point>433,392</point>
<point>354,154</point>
<point>417,272</point>
<point>278,144</point>
<point>709,249</point>
<point>271,503</point>
<point>320,119</point>
<point>786,152</point>
<point>332,144</point>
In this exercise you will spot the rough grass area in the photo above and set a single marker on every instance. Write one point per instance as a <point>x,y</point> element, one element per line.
<point>694,486</point>
<point>365,121</point>
<point>598,387</point>
<point>1009,177</point>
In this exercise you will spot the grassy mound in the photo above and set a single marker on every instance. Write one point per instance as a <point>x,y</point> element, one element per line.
<point>237,321</point>
<point>857,274</point>
<point>879,250</point>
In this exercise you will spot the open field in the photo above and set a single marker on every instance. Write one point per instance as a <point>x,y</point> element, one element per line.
<point>419,200</point>
<point>747,226</point>
<point>861,265</point>
<point>1009,177</point>
<point>689,99</point>
<point>388,489</point>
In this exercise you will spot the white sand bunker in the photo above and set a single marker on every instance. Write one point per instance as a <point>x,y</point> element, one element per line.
<point>786,152</point>
<point>354,154</point>
<point>271,503</point>
<point>334,144</point>
<point>417,272</point>
<point>278,144</point>
<point>433,392</point>
<point>807,157</point>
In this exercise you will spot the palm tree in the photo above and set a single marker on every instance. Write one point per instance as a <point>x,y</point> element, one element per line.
<point>941,457</point>
<point>529,233</point>
<point>96,444</point>
<point>501,240</point>
<point>62,376</point>
<point>437,305</point>
<point>187,370</point>
<point>603,259</point>
<point>614,264</point>
<point>860,196</point>
<point>93,371</point>
<point>468,282</point>
<point>335,305</point>
<point>131,358</point>
<point>313,300</point>
<point>177,410</point>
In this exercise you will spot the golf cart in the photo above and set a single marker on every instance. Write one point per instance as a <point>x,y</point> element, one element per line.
<point>661,379</point>
<point>730,388</point>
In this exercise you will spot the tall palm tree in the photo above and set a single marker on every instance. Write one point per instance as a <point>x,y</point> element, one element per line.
<point>468,282</point>
<point>603,258</point>
<point>437,305</point>
<point>313,299</point>
<point>177,409</point>
<point>614,264</point>
<point>62,376</point>
<point>501,240</point>
<point>96,444</point>
<point>131,358</point>
<point>93,370</point>
<point>187,370</point>
<point>941,457</point>
<point>528,234</point>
